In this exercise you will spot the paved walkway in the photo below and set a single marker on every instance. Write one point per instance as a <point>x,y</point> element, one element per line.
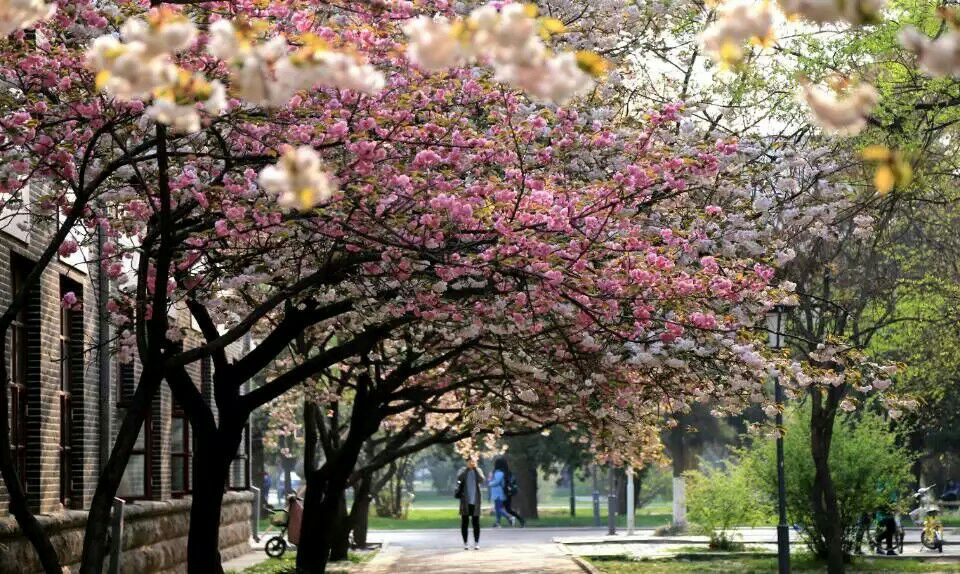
<point>502,550</point>
<point>519,559</point>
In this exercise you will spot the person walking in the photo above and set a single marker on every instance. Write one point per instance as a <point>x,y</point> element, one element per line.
<point>468,492</point>
<point>265,490</point>
<point>498,490</point>
<point>511,489</point>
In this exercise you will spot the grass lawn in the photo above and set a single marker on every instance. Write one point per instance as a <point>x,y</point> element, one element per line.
<point>553,517</point>
<point>549,517</point>
<point>800,564</point>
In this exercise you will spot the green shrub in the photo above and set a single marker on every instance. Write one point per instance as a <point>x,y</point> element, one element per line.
<point>869,470</point>
<point>724,497</point>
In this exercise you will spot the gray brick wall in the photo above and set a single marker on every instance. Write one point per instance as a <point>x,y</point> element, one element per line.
<point>43,375</point>
<point>43,412</point>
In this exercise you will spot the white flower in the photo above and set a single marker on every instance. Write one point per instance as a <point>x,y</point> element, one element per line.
<point>738,22</point>
<point>19,14</point>
<point>298,179</point>
<point>165,34</point>
<point>855,12</point>
<point>185,118</point>
<point>222,40</point>
<point>333,69</point>
<point>528,395</point>
<point>433,45</point>
<point>510,41</point>
<point>937,57</point>
<point>771,410</point>
<point>848,405</point>
<point>843,114</point>
<point>785,256</point>
<point>128,71</point>
<point>881,384</point>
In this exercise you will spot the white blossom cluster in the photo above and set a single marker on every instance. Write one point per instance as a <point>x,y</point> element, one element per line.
<point>936,56</point>
<point>133,66</point>
<point>269,73</point>
<point>854,12</point>
<point>510,40</point>
<point>19,14</point>
<point>842,112</point>
<point>738,22</point>
<point>139,66</point>
<point>298,179</point>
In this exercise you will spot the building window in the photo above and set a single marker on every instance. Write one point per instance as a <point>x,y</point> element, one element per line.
<point>179,452</point>
<point>126,383</point>
<point>71,370</point>
<point>137,477</point>
<point>18,369</point>
<point>135,483</point>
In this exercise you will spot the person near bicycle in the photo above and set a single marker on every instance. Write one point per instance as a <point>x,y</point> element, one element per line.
<point>886,529</point>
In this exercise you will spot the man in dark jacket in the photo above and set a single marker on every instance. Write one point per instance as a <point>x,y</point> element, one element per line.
<point>468,491</point>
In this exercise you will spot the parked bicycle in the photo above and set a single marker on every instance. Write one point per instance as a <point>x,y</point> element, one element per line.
<point>284,520</point>
<point>927,514</point>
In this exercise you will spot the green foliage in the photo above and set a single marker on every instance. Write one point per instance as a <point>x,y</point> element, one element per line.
<point>870,471</point>
<point>803,563</point>
<point>721,498</point>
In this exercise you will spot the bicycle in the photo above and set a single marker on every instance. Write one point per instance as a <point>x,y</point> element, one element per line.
<point>276,545</point>
<point>928,514</point>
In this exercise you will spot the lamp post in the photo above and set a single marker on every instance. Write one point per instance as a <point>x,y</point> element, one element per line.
<point>776,331</point>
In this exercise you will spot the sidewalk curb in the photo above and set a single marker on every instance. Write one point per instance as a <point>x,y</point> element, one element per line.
<point>584,565</point>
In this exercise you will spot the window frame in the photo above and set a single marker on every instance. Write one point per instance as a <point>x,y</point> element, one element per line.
<point>177,412</point>
<point>71,355</point>
<point>19,370</point>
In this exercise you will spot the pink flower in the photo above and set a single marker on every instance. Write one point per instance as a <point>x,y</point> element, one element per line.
<point>425,159</point>
<point>67,248</point>
<point>69,300</point>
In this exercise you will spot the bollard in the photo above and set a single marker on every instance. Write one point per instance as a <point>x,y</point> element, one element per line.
<point>255,515</point>
<point>116,535</point>
<point>596,498</point>
<point>612,504</point>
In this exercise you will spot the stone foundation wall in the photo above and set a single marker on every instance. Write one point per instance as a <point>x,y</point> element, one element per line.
<point>154,536</point>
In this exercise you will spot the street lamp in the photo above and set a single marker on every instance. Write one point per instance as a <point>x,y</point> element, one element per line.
<point>776,333</point>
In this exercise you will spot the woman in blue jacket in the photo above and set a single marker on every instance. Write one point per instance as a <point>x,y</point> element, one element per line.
<point>498,490</point>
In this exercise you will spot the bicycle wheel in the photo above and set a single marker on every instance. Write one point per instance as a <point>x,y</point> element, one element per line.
<point>900,542</point>
<point>928,540</point>
<point>275,547</point>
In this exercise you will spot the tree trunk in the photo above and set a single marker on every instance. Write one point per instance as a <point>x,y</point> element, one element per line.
<point>360,511</point>
<point>826,511</point>
<point>525,501</point>
<point>211,465</point>
<point>98,517</point>
<point>310,438</point>
<point>340,546</point>
<point>325,486</point>
<point>18,498</point>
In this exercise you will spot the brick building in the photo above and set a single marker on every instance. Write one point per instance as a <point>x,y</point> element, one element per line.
<point>67,399</point>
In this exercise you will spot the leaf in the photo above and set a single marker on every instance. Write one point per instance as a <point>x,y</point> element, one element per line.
<point>875,153</point>
<point>884,179</point>
<point>552,26</point>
